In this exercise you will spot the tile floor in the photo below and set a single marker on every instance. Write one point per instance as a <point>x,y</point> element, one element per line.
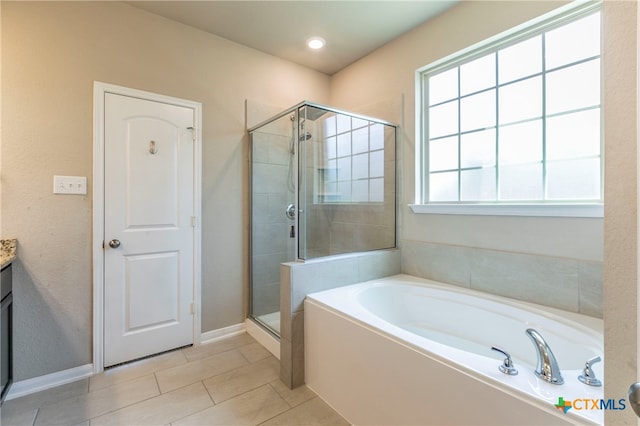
<point>229,382</point>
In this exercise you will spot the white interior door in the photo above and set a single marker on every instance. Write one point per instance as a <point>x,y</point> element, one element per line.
<point>149,227</point>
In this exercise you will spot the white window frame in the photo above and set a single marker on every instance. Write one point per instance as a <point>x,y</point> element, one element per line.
<point>556,18</point>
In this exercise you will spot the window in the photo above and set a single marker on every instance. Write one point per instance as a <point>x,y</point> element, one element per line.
<point>355,164</point>
<point>517,120</point>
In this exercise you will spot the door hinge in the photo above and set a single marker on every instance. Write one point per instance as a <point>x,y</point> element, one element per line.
<point>194,221</point>
<point>192,308</point>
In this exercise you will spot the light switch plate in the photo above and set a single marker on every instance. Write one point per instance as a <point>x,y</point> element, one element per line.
<point>76,185</point>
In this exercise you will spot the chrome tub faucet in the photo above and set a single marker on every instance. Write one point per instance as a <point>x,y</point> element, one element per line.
<point>547,368</point>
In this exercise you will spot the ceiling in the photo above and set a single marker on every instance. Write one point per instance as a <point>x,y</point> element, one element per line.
<point>352,29</point>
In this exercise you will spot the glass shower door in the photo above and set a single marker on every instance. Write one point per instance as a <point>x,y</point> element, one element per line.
<point>347,183</point>
<point>272,216</point>
<point>323,183</point>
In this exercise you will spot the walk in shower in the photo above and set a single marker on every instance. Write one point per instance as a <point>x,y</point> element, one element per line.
<point>323,182</point>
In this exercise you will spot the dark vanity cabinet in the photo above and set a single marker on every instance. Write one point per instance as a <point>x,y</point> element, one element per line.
<point>6,343</point>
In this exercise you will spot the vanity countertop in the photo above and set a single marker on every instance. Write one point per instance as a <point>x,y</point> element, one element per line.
<point>7,251</point>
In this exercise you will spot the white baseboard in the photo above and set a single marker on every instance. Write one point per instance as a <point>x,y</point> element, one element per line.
<point>37,384</point>
<point>222,333</point>
<point>40,383</point>
<point>263,337</point>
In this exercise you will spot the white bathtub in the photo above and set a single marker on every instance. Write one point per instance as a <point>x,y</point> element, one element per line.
<point>403,350</point>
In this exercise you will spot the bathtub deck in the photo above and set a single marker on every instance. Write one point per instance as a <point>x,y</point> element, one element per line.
<point>353,357</point>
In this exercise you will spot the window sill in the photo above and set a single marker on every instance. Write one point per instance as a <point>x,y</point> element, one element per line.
<point>532,210</point>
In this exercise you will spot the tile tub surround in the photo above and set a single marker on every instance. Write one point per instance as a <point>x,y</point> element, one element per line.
<point>301,278</point>
<point>569,284</point>
<point>231,381</point>
<point>7,251</point>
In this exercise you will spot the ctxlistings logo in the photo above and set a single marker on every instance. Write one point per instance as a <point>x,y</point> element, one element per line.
<point>563,405</point>
<point>590,404</point>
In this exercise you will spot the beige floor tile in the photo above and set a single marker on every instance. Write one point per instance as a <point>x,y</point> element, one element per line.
<point>160,410</point>
<point>250,408</point>
<point>11,417</point>
<point>80,408</point>
<point>183,375</point>
<point>295,396</point>
<point>243,379</point>
<point>136,369</point>
<point>254,352</point>
<point>236,372</point>
<point>49,396</point>
<point>314,412</point>
<point>206,350</point>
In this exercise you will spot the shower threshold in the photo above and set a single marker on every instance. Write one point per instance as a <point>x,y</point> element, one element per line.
<point>264,335</point>
<point>271,320</point>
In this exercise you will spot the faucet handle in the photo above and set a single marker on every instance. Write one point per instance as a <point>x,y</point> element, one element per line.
<point>588,377</point>
<point>507,365</point>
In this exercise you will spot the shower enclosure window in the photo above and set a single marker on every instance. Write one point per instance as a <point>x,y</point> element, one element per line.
<point>354,162</point>
<point>323,182</point>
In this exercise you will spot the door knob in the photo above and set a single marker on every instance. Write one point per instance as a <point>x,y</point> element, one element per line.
<point>114,243</point>
<point>290,211</point>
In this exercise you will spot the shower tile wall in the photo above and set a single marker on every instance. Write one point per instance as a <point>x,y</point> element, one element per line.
<point>271,245</point>
<point>568,284</point>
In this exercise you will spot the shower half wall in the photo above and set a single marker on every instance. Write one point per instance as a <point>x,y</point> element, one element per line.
<point>323,183</point>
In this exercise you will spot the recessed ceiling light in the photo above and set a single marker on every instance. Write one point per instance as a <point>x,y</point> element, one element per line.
<point>316,43</point>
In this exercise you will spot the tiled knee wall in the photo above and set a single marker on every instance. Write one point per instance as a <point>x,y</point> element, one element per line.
<point>567,284</point>
<point>301,278</point>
